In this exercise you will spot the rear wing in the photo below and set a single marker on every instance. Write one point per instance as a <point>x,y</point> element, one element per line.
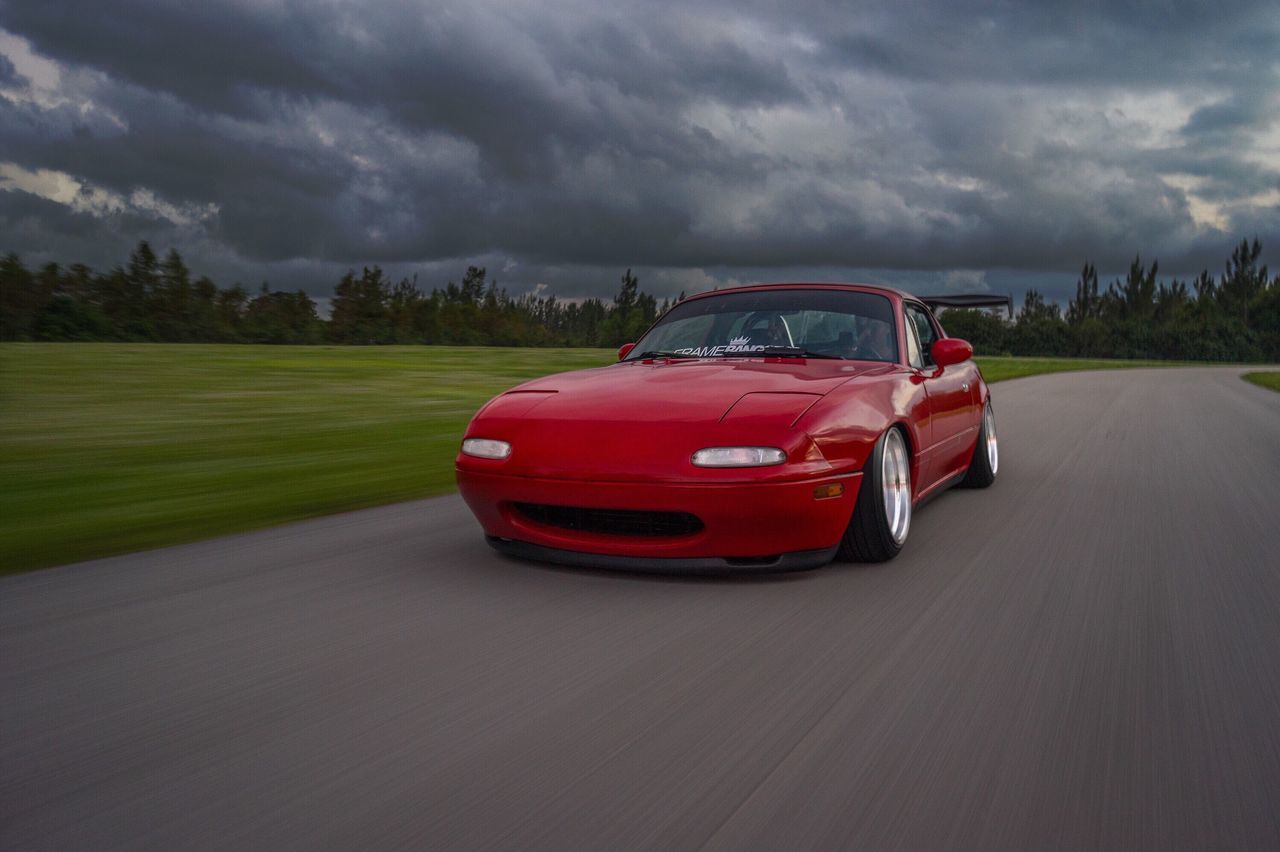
<point>969,300</point>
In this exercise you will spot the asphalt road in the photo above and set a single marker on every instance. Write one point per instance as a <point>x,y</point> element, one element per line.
<point>1086,655</point>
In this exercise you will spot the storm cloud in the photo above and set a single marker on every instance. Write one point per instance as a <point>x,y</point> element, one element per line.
<point>928,144</point>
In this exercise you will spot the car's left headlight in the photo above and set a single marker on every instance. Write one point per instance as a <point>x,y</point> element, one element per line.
<point>739,457</point>
<point>486,448</point>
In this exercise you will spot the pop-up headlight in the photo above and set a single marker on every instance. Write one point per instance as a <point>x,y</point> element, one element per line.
<point>486,448</point>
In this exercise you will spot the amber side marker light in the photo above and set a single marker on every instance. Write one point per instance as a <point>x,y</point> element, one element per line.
<point>822,492</point>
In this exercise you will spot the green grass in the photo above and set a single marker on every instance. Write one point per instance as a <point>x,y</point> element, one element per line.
<point>997,369</point>
<point>1269,379</point>
<point>110,448</point>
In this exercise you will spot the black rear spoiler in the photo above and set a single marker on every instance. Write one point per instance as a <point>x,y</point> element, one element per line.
<point>970,300</point>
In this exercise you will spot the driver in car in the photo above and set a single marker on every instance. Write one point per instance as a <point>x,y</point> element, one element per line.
<point>874,341</point>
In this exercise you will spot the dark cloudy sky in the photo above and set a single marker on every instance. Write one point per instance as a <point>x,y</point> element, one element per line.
<point>936,145</point>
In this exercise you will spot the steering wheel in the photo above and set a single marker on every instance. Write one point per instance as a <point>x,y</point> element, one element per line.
<point>869,348</point>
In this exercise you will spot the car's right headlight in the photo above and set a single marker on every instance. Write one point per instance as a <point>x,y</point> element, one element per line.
<point>739,457</point>
<point>486,448</point>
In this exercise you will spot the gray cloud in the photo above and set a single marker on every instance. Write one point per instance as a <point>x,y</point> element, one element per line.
<point>927,143</point>
<point>9,76</point>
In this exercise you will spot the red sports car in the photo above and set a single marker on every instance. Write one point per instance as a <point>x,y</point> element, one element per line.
<point>759,428</point>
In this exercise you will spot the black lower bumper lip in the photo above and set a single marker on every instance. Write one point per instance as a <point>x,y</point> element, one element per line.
<point>801,560</point>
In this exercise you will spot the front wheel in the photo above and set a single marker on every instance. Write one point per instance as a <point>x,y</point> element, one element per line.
<point>882,516</point>
<point>986,453</point>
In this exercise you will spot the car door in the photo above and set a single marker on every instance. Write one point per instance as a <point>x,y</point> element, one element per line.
<point>951,390</point>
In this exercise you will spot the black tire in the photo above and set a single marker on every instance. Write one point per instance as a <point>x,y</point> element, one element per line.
<point>986,454</point>
<point>870,535</point>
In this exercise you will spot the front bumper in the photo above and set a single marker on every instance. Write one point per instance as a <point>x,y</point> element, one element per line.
<point>744,525</point>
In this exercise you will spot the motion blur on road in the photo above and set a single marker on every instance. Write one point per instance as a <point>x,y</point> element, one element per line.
<point>1083,656</point>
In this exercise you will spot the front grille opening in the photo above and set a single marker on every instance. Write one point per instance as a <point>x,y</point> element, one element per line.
<point>629,522</point>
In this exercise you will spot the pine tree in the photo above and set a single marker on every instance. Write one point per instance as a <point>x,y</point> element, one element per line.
<point>1086,303</point>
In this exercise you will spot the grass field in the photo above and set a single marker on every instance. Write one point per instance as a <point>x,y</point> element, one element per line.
<point>999,369</point>
<point>110,448</point>
<point>1268,379</point>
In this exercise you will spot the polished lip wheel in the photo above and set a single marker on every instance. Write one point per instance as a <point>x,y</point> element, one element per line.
<point>993,450</point>
<point>895,478</point>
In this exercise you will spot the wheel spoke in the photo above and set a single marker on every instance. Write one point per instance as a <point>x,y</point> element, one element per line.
<point>993,449</point>
<point>896,486</point>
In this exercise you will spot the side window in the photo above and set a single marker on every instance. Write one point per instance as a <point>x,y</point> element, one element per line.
<point>913,346</point>
<point>925,331</point>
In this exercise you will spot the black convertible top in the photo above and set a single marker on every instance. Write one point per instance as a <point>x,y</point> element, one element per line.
<point>969,300</point>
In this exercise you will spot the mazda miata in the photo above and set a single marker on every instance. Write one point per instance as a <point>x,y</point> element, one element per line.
<point>764,428</point>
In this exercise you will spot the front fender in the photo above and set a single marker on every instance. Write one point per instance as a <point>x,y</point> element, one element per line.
<point>846,423</point>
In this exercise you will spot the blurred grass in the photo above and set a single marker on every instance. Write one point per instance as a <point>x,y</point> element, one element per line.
<point>111,448</point>
<point>1264,379</point>
<point>997,369</point>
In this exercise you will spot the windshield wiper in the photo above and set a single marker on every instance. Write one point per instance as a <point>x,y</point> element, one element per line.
<point>658,353</point>
<point>793,352</point>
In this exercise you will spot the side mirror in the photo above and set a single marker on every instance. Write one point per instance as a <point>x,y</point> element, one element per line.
<point>950,350</point>
<point>624,350</point>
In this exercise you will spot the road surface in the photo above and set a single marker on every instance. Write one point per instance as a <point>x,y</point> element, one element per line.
<point>1086,655</point>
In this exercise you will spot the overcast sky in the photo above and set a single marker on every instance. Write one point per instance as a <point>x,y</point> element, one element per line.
<point>937,145</point>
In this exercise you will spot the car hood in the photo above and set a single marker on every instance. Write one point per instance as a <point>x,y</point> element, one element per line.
<point>641,420</point>
<point>683,390</point>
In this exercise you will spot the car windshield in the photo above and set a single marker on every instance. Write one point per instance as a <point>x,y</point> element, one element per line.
<point>831,323</point>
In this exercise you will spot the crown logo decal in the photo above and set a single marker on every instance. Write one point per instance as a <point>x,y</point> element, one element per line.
<point>740,341</point>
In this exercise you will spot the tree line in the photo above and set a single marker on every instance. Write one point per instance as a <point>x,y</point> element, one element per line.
<point>156,299</point>
<point>1234,317</point>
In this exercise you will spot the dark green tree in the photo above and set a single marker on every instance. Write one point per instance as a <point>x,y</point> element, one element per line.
<point>1243,280</point>
<point>280,317</point>
<point>20,300</point>
<point>1086,305</point>
<point>359,309</point>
